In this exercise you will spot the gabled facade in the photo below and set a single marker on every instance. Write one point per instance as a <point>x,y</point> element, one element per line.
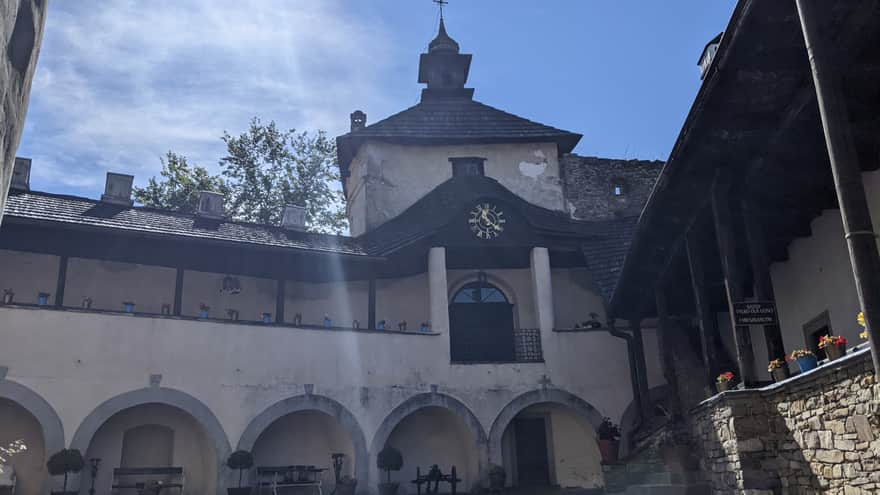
<point>463,322</point>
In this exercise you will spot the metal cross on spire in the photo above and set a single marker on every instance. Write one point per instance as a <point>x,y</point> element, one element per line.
<point>441,3</point>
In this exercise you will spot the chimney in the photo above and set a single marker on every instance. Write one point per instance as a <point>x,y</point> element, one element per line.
<point>117,189</point>
<point>358,120</point>
<point>210,205</point>
<point>294,218</point>
<point>21,174</point>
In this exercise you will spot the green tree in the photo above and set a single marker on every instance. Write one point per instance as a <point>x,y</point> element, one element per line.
<point>267,168</point>
<point>264,170</point>
<point>179,187</point>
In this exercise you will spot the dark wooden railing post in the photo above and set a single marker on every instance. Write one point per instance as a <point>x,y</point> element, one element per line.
<point>724,230</point>
<point>178,292</point>
<point>371,303</point>
<point>760,262</point>
<point>703,308</point>
<point>62,282</point>
<point>279,300</point>
<point>859,232</point>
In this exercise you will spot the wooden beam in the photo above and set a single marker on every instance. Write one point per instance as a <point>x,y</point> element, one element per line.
<point>635,327</point>
<point>280,287</point>
<point>371,303</point>
<point>178,292</point>
<point>667,359</point>
<point>702,303</point>
<point>854,211</point>
<point>760,261</point>
<point>724,231</point>
<point>61,283</point>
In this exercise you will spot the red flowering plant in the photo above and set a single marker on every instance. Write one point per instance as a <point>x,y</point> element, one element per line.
<point>725,377</point>
<point>829,340</point>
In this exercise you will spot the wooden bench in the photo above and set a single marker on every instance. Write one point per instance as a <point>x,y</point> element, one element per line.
<point>148,481</point>
<point>435,476</point>
<point>280,479</point>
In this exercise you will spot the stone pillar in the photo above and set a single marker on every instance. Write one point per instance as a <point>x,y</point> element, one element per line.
<point>542,288</point>
<point>438,290</point>
<point>21,32</point>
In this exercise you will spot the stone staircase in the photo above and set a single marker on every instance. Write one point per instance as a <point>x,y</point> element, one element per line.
<point>661,464</point>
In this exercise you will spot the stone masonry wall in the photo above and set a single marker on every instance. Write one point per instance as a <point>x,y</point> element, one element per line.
<point>587,185</point>
<point>814,433</point>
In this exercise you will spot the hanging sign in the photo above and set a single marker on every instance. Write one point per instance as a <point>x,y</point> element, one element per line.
<point>755,313</point>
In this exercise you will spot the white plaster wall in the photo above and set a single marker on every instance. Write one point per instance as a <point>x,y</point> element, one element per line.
<point>28,274</point>
<point>433,435</point>
<point>387,178</point>
<point>305,438</point>
<point>257,296</point>
<point>109,284</point>
<point>574,298</point>
<point>402,299</point>
<point>343,302</point>
<point>30,466</point>
<point>192,450</point>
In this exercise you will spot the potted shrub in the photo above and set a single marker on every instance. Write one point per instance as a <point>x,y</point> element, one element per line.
<point>609,441</point>
<point>497,477</point>
<point>390,459</point>
<point>778,369</point>
<point>240,460</point>
<point>65,461</point>
<point>806,360</point>
<point>834,346</point>
<point>723,382</point>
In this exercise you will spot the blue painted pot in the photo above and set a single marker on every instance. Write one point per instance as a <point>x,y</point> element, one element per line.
<point>128,307</point>
<point>43,299</point>
<point>807,363</point>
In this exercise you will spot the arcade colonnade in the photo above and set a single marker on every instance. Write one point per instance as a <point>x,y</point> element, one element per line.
<point>164,425</point>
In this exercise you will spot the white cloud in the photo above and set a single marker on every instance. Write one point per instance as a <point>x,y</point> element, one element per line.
<point>121,83</point>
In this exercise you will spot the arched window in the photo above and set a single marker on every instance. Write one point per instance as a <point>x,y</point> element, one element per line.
<point>481,325</point>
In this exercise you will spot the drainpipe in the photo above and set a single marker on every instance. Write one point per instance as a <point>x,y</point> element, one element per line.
<point>633,369</point>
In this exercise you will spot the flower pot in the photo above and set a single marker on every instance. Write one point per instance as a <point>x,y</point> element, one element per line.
<point>609,450</point>
<point>780,374</point>
<point>245,490</point>
<point>806,363</point>
<point>388,488</point>
<point>497,480</point>
<point>722,386</point>
<point>834,351</point>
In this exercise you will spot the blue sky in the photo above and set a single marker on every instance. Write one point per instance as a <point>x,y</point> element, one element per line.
<point>118,86</point>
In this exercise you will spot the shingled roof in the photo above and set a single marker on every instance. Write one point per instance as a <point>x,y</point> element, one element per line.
<point>452,120</point>
<point>82,212</point>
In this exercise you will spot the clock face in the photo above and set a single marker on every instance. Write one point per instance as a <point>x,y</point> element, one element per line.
<point>487,221</point>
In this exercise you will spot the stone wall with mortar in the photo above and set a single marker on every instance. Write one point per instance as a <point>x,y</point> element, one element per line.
<point>21,31</point>
<point>818,432</point>
<point>588,182</point>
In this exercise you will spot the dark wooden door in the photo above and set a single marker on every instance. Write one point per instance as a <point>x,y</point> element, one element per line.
<point>481,332</point>
<point>532,464</point>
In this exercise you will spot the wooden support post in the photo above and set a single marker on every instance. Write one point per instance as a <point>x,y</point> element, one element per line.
<point>859,232</point>
<point>178,292</point>
<point>371,304</point>
<point>279,301</point>
<point>745,356</point>
<point>760,262</point>
<point>703,307</point>
<point>667,359</point>
<point>641,369</point>
<point>62,282</point>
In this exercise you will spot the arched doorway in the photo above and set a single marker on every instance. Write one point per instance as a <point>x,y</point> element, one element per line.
<point>481,324</point>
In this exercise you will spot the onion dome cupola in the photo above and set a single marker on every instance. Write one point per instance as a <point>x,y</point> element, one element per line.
<point>444,69</point>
